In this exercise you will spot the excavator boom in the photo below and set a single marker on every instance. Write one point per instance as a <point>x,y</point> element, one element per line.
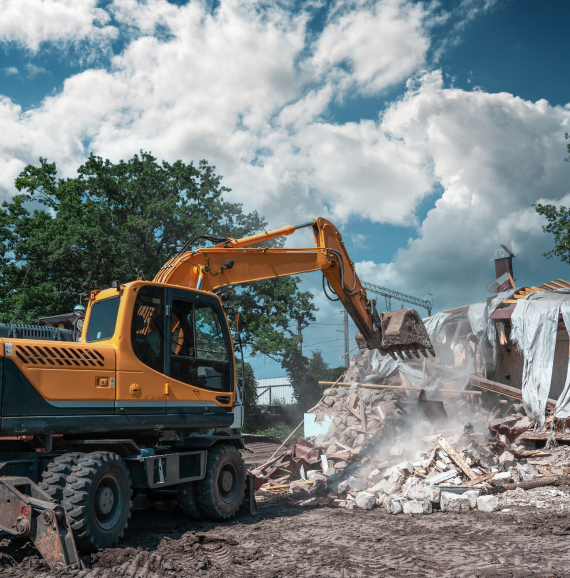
<point>235,261</point>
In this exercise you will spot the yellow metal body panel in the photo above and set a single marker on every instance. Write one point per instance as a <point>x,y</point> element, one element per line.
<point>64,371</point>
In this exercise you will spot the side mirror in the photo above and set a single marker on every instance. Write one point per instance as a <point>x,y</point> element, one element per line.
<point>239,323</point>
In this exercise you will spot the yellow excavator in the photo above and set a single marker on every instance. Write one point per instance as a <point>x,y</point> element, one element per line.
<point>150,398</point>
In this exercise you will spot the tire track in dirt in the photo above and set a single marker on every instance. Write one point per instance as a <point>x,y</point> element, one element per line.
<point>286,542</point>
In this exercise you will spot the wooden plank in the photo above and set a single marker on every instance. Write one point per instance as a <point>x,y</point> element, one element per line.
<point>382,386</point>
<point>284,485</point>
<point>549,286</point>
<point>352,400</point>
<point>362,413</point>
<point>456,334</point>
<point>558,284</point>
<point>501,331</point>
<point>480,479</point>
<point>503,313</point>
<point>504,389</point>
<point>459,461</point>
<point>457,310</point>
<point>565,283</point>
<point>353,412</point>
<point>346,448</point>
<point>512,280</point>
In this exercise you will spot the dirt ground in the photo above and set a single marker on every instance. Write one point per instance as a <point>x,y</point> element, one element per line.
<point>285,540</point>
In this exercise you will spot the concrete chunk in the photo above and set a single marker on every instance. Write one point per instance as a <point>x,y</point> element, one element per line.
<point>453,502</point>
<point>428,493</point>
<point>394,505</point>
<point>507,459</point>
<point>472,496</point>
<point>417,507</point>
<point>315,475</point>
<point>365,500</point>
<point>395,482</point>
<point>378,488</point>
<point>488,503</point>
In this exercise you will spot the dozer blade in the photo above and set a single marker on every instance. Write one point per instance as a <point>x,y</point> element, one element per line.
<point>26,510</point>
<point>404,334</point>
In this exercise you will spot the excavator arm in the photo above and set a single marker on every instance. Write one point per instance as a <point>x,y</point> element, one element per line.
<point>234,261</point>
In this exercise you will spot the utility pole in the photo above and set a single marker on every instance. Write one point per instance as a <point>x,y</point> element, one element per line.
<point>299,337</point>
<point>346,361</point>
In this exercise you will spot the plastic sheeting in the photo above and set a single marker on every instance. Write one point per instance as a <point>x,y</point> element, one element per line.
<point>535,324</point>
<point>384,365</point>
<point>482,326</point>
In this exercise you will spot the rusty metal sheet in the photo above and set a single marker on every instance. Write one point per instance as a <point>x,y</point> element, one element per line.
<point>307,451</point>
<point>262,447</point>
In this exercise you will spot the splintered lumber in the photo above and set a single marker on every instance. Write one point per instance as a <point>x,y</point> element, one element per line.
<point>353,412</point>
<point>382,386</point>
<point>502,335</point>
<point>529,484</point>
<point>480,479</point>
<point>459,461</point>
<point>362,413</point>
<point>504,389</point>
<point>280,486</point>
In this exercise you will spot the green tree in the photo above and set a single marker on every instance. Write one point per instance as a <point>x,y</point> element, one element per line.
<point>558,224</point>
<point>123,220</point>
<point>306,372</point>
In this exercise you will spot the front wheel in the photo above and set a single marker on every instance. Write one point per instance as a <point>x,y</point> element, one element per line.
<point>97,498</point>
<point>220,493</point>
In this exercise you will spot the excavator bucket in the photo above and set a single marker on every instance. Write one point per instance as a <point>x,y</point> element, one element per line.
<point>403,333</point>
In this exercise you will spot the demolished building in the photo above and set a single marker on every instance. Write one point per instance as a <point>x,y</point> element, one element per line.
<point>452,432</point>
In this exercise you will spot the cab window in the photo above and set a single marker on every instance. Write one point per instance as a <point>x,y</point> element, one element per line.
<point>147,330</point>
<point>198,351</point>
<point>103,319</point>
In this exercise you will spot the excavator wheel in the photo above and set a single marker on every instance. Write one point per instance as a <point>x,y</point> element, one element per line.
<point>97,498</point>
<point>220,493</point>
<point>187,500</point>
<point>55,476</point>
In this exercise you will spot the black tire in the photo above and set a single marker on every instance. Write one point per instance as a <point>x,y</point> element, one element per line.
<point>97,498</point>
<point>187,500</point>
<point>220,493</point>
<point>54,478</point>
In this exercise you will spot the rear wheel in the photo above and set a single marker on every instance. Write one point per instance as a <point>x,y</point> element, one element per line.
<point>54,478</point>
<point>97,498</point>
<point>220,493</point>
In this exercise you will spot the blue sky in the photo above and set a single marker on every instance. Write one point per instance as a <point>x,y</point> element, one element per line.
<point>424,130</point>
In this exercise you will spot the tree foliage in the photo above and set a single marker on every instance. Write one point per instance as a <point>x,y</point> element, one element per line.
<point>558,224</point>
<point>306,372</point>
<point>123,220</point>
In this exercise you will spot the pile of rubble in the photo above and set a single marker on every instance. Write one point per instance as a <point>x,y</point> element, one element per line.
<point>388,448</point>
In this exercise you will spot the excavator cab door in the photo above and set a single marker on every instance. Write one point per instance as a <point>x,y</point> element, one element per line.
<point>198,351</point>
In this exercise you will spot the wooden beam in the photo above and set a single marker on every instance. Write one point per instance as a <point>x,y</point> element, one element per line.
<point>558,284</point>
<point>502,335</point>
<point>381,386</point>
<point>457,310</point>
<point>504,389</point>
<point>565,283</point>
<point>512,280</point>
<point>456,334</point>
<point>457,458</point>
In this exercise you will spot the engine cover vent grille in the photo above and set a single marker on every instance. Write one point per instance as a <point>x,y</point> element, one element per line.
<point>64,356</point>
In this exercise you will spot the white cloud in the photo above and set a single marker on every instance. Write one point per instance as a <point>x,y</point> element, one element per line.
<point>373,45</point>
<point>34,70</point>
<point>494,155</point>
<point>10,70</point>
<point>31,23</point>
<point>249,88</point>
